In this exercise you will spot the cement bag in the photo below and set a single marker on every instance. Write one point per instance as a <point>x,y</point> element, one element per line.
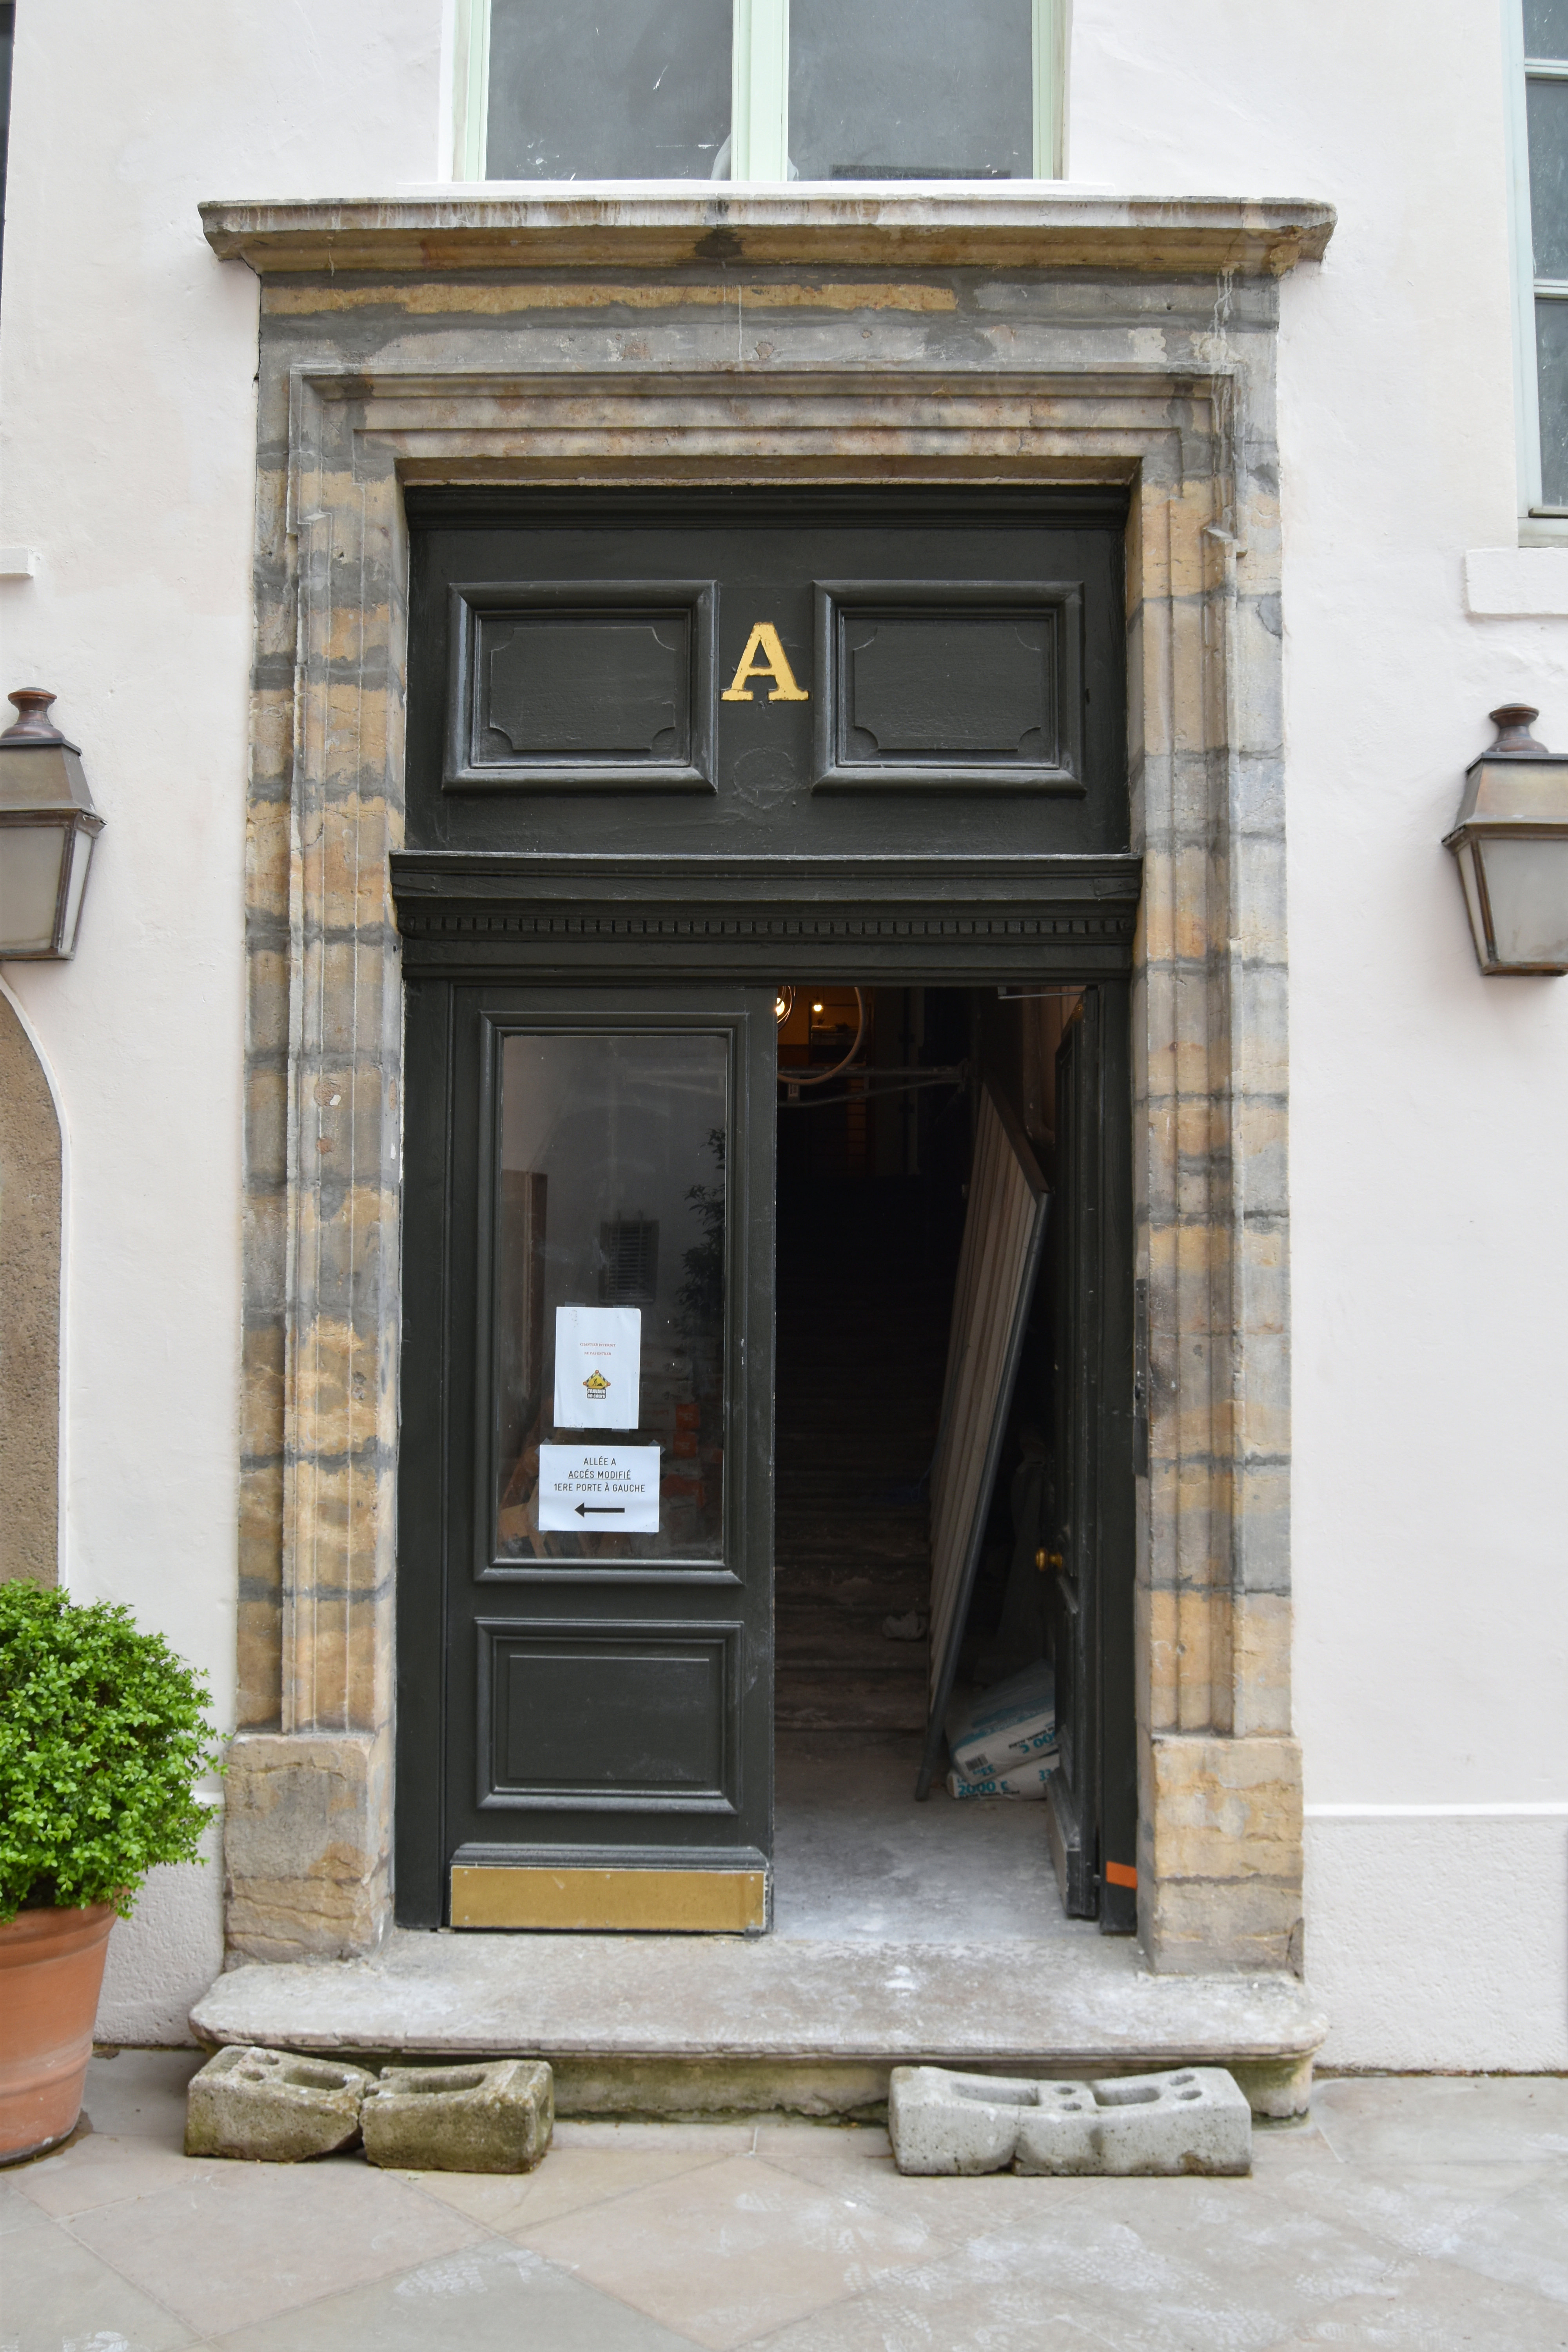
<point>1026,1781</point>
<point>1008,1724</point>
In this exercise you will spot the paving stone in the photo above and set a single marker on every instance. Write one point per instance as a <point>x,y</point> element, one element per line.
<point>270,2106</point>
<point>1193,2120</point>
<point>495,2117</point>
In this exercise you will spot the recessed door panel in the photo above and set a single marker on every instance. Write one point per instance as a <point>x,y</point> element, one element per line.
<point>596,1716</point>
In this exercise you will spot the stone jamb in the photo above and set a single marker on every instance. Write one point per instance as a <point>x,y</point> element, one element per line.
<point>1220,1865</point>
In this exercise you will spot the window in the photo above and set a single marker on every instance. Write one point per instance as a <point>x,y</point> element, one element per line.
<point>7,41</point>
<point>759,90</point>
<point>628,1262</point>
<point>1540,204</point>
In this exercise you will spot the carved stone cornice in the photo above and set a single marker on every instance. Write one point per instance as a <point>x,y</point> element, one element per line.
<point>633,225</point>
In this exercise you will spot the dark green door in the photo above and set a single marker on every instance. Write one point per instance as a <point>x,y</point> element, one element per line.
<point>1093,1801</point>
<point>594,1478</point>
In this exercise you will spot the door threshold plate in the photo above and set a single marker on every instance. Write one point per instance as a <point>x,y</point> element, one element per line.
<point>667,1902</point>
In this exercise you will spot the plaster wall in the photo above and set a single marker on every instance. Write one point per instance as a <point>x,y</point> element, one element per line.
<point>1429,1121</point>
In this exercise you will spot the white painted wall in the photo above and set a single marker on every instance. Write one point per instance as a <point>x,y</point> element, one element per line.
<point>127,455</point>
<point>1430,1109</point>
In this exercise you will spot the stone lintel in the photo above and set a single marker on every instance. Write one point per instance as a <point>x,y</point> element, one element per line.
<point>652,227</point>
<point>306,1844</point>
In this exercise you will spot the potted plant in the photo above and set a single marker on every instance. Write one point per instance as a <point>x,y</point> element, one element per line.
<point>102,1739</point>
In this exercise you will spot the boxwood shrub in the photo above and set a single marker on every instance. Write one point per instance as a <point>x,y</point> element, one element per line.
<point>103,1736</point>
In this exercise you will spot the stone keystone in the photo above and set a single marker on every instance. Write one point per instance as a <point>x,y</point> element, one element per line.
<point>1193,2120</point>
<point>494,2117</point>
<point>270,2106</point>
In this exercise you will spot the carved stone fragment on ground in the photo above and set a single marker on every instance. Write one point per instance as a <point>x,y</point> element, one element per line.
<point>270,2107</point>
<point>1191,2119</point>
<point>495,2117</point>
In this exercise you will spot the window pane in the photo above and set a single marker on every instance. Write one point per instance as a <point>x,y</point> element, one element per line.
<point>1551,346</point>
<point>609,1300</point>
<point>1546,29</point>
<point>902,89</point>
<point>1548,103</point>
<point>610,89</point>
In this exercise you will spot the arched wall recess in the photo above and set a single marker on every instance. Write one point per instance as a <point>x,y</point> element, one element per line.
<point>31,1262</point>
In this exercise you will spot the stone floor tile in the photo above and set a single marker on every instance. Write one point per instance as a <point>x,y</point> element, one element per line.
<point>141,2094</point>
<point>1507,2222</point>
<point>728,2252</point>
<point>55,2294</point>
<point>569,2180</point>
<point>1432,2307</point>
<point>857,2161</point>
<point>489,2299</point>
<point>1192,2271</point>
<point>705,2140</point>
<point>102,2172</point>
<point>1391,2120</point>
<point>243,2241</point>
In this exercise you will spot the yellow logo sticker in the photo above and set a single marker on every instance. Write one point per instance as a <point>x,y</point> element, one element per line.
<point>764,657</point>
<point>596,1385</point>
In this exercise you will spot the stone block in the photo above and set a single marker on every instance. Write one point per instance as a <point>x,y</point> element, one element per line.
<point>1194,2120</point>
<point>484,2118</point>
<point>307,1833</point>
<point>268,2107</point>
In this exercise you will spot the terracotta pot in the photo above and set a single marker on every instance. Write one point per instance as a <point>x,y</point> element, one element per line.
<point>51,1971</point>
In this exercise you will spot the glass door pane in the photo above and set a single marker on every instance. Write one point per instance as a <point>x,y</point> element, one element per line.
<point>608,1310</point>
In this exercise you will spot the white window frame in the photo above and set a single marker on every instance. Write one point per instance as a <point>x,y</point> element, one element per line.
<point>759,127</point>
<point>1538,524</point>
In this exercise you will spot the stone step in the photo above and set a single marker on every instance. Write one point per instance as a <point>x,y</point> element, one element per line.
<point>666,2025</point>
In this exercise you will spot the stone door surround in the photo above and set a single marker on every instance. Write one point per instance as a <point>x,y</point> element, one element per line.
<point>697,339</point>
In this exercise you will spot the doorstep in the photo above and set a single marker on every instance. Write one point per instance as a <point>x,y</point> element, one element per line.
<point>697,2025</point>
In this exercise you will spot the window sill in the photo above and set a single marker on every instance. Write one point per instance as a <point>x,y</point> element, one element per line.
<point>669,225</point>
<point>1519,582</point>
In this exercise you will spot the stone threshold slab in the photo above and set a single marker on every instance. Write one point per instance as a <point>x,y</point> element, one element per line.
<point>665,2025</point>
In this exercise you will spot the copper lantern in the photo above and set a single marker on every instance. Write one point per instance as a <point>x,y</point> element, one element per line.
<point>48,827</point>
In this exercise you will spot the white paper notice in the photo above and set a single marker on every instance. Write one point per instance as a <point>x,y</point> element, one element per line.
<point>598,1367</point>
<point>599,1488</point>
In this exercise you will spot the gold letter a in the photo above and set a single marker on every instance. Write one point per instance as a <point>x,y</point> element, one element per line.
<point>764,657</point>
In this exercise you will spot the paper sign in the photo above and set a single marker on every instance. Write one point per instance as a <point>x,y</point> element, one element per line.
<point>598,1367</point>
<point>599,1488</point>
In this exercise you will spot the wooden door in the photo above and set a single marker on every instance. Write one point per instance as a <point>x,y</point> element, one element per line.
<point>587,1483</point>
<point>1093,1806</point>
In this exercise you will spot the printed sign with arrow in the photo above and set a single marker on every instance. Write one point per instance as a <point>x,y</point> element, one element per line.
<point>579,1482</point>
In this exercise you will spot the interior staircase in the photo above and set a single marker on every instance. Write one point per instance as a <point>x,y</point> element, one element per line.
<point>865,1286</point>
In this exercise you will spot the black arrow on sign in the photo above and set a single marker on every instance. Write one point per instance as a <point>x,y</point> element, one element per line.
<point>583,1509</point>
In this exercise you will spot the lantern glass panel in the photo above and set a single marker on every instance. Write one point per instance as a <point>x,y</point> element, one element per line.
<point>1527,887</point>
<point>1466,854</point>
<point>30,856</point>
<point>81,843</point>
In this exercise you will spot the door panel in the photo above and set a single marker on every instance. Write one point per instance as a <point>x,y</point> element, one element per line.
<point>1093,1803</point>
<point>602,1445</point>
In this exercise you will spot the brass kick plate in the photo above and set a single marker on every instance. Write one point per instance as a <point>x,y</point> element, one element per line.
<point>675,1901</point>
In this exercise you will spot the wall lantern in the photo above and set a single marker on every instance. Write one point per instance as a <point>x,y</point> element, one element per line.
<point>1510,838</point>
<point>48,827</point>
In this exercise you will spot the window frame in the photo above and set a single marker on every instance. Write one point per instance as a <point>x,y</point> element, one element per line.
<point>1538,521</point>
<point>759,106</point>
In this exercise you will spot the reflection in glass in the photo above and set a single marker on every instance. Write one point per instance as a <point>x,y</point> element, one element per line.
<point>1546,29</point>
<point>911,88</point>
<point>609,89</point>
<point>1548,105</point>
<point>611,1193</point>
<point>1551,346</point>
